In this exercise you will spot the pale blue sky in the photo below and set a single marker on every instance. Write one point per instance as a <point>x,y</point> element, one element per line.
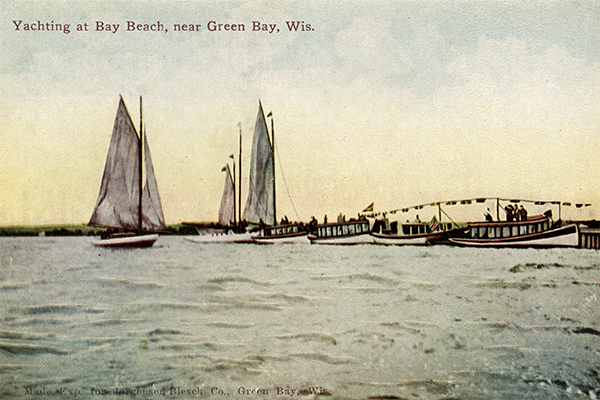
<point>397,102</point>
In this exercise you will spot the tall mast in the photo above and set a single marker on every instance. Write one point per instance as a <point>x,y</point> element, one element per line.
<point>140,159</point>
<point>234,190</point>
<point>240,178</point>
<point>273,157</point>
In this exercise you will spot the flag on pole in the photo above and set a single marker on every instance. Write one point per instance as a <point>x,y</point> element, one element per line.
<point>270,114</point>
<point>433,224</point>
<point>369,207</point>
<point>231,156</point>
<point>225,168</point>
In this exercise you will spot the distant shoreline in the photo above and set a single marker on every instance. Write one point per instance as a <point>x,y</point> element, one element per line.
<point>185,228</point>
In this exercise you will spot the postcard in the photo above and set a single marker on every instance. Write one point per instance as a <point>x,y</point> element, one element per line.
<point>452,146</point>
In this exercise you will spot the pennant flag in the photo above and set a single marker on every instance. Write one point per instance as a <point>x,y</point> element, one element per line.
<point>270,114</point>
<point>369,207</point>
<point>225,168</point>
<point>231,156</point>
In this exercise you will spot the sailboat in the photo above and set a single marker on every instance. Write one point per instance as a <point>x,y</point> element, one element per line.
<point>261,205</point>
<point>227,217</point>
<point>260,209</point>
<point>123,204</point>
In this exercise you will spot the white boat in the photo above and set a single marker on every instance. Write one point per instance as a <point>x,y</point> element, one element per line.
<point>123,203</point>
<point>351,232</point>
<point>536,231</point>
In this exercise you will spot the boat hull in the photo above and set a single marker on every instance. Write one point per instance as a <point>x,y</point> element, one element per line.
<point>409,240</point>
<point>127,241</point>
<point>565,236</point>
<point>299,238</point>
<point>222,238</point>
<point>363,238</point>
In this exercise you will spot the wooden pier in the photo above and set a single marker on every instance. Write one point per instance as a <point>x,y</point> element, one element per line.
<point>589,238</point>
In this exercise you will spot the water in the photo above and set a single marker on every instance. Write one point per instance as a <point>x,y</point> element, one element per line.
<point>351,322</point>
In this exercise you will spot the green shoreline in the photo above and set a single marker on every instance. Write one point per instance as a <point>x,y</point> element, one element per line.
<point>185,228</point>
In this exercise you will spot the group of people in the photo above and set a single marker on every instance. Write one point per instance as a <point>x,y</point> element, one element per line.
<point>515,213</point>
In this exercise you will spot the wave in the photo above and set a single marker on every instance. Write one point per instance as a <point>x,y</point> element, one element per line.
<point>334,360</point>
<point>170,305</point>
<point>195,345</point>
<point>533,266</point>
<point>59,308</point>
<point>363,276</point>
<point>13,286</point>
<point>39,321</point>
<point>229,279</point>
<point>504,284</point>
<point>252,304</point>
<point>104,281</point>
<point>24,335</point>
<point>30,349</point>
<point>228,325</point>
<point>110,321</point>
<point>314,336</point>
<point>95,341</point>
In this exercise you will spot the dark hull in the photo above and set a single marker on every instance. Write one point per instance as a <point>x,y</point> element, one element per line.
<point>566,236</point>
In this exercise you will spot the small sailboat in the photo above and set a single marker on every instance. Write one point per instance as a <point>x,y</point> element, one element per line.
<point>126,203</point>
<point>227,217</point>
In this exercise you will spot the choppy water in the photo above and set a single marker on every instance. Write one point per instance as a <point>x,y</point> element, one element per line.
<point>358,322</point>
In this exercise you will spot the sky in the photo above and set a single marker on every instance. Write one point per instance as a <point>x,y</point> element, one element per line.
<point>393,102</point>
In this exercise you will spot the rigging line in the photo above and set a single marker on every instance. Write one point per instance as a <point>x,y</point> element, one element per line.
<point>285,183</point>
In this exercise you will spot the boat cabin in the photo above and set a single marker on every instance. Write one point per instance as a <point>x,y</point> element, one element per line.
<point>282,230</point>
<point>503,229</point>
<point>410,228</point>
<point>341,229</point>
<point>422,228</point>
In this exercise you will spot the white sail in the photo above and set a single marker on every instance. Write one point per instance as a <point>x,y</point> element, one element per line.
<point>259,204</point>
<point>152,212</point>
<point>118,200</point>
<point>226,211</point>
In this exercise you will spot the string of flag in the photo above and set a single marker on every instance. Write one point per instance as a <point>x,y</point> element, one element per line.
<point>370,207</point>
